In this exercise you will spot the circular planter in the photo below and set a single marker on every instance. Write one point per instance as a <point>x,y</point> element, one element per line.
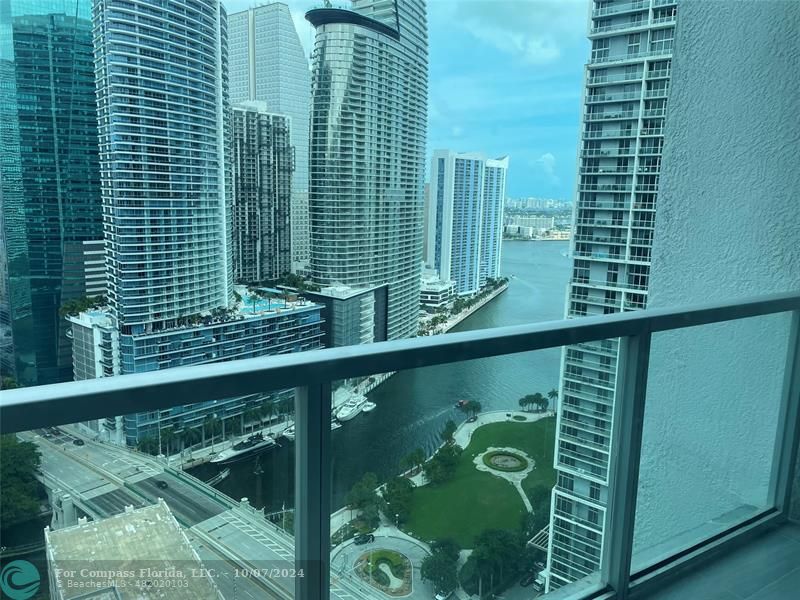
<point>386,570</point>
<point>505,461</point>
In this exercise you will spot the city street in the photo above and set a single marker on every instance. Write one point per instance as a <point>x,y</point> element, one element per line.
<point>344,557</point>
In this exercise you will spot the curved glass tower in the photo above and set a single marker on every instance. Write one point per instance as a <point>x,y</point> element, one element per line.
<point>369,86</point>
<point>162,113</point>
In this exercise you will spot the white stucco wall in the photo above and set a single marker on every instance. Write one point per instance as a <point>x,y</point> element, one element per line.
<point>727,227</point>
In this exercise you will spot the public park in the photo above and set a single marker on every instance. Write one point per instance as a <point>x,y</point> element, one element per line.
<point>485,492</point>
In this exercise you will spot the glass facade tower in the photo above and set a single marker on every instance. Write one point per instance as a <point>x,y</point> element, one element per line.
<point>465,218</point>
<point>50,193</point>
<point>627,85</point>
<point>367,151</point>
<point>162,110</point>
<point>268,64</point>
<point>165,140</point>
<point>494,199</point>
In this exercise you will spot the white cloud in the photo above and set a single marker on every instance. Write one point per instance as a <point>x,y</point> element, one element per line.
<point>546,163</point>
<point>535,31</point>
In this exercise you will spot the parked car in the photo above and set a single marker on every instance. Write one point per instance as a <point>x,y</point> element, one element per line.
<point>472,419</point>
<point>363,538</point>
<point>442,595</point>
<point>162,484</point>
<point>78,442</point>
<point>538,584</point>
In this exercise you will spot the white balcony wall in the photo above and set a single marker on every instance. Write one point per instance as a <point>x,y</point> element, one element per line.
<point>728,227</point>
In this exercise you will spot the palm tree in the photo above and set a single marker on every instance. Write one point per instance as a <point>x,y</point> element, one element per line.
<point>191,436</point>
<point>523,403</point>
<point>531,398</point>
<point>257,416</point>
<point>537,399</point>
<point>474,407</point>
<point>448,432</point>
<point>418,458</point>
<point>210,427</point>
<point>167,437</point>
<point>553,395</point>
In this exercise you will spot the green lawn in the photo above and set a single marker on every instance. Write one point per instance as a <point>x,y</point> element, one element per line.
<point>474,501</point>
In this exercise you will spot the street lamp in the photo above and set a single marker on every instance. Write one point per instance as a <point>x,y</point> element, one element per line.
<point>397,520</point>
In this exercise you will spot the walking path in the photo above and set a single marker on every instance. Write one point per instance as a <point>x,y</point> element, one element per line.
<point>192,458</point>
<point>513,477</point>
<point>456,319</point>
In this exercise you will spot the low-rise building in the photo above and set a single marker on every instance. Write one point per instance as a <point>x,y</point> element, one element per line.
<point>156,560</point>
<point>435,292</point>
<point>263,322</point>
<point>352,315</point>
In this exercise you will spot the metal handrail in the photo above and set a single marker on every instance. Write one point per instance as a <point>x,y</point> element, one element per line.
<point>57,404</point>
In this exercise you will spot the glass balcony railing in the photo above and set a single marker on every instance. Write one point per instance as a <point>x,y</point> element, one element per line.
<point>618,27</point>
<point>282,504</point>
<point>621,8</point>
<point>620,58</point>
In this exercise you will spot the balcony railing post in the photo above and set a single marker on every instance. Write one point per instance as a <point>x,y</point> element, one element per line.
<point>629,406</point>
<point>784,464</point>
<point>312,522</point>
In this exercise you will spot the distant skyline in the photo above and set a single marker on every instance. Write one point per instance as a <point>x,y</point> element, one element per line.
<point>506,77</point>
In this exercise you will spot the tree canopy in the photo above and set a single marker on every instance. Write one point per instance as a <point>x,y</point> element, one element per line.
<point>442,467</point>
<point>75,306</point>
<point>397,494</point>
<point>441,570</point>
<point>449,431</point>
<point>19,462</point>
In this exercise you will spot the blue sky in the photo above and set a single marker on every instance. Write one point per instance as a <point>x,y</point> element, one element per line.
<point>505,78</point>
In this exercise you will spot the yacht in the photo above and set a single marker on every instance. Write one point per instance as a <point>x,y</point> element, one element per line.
<point>245,446</point>
<point>289,432</point>
<point>351,408</point>
<point>368,407</point>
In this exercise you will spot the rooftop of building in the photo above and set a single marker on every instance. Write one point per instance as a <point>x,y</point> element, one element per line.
<point>259,301</point>
<point>432,282</point>
<point>94,317</point>
<point>344,292</point>
<point>251,302</point>
<point>155,560</point>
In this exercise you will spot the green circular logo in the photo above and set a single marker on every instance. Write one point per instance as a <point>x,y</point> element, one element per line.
<point>19,580</point>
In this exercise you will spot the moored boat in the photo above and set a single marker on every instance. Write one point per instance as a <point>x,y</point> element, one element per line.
<point>245,446</point>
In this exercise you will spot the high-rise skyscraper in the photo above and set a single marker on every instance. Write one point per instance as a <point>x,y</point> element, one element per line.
<point>50,194</point>
<point>627,84</point>
<point>367,151</point>
<point>268,64</point>
<point>494,198</point>
<point>262,193</point>
<point>166,183</point>
<point>162,148</point>
<point>465,218</point>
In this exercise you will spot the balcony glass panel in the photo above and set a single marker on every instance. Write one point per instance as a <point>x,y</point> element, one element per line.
<point>709,435</point>
<point>439,461</point>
